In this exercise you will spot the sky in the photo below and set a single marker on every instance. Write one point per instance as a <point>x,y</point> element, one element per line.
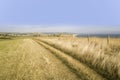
<point>83,16</point>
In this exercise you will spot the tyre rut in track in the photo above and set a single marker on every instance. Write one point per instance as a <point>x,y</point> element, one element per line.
<point>81,70</point>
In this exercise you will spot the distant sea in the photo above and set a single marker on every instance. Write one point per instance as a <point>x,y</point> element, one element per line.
<point>99,35</point>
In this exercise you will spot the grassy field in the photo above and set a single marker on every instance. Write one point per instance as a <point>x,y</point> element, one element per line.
<point>24,59</point>
<point>60,58</point>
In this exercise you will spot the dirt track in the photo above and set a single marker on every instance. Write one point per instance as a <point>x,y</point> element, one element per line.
<point>81,70</point>
<point>27,60</point>
<point>31,59</point>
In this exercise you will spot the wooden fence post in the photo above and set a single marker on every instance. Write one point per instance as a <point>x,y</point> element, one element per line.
<point>108,39</point>
<point>88,37</point>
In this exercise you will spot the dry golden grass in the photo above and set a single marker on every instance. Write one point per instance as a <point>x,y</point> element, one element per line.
<point>81,70</point>
<point>96,53</point>
<point>24,59</point>
<point>60,58</point>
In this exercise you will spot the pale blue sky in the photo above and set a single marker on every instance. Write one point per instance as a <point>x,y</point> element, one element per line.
<point>73,15</point>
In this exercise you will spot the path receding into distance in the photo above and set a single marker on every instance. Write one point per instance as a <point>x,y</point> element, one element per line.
<point>32,59</point>
<point>25,59</point>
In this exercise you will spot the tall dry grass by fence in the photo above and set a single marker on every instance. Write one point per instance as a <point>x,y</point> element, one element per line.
<point>81,70</point>
<point>96,53</point>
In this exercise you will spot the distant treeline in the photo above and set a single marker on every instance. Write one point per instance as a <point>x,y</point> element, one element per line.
<point>58,35</point>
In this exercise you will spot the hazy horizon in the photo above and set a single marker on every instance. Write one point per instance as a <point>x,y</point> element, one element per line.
<point>61,28</point>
